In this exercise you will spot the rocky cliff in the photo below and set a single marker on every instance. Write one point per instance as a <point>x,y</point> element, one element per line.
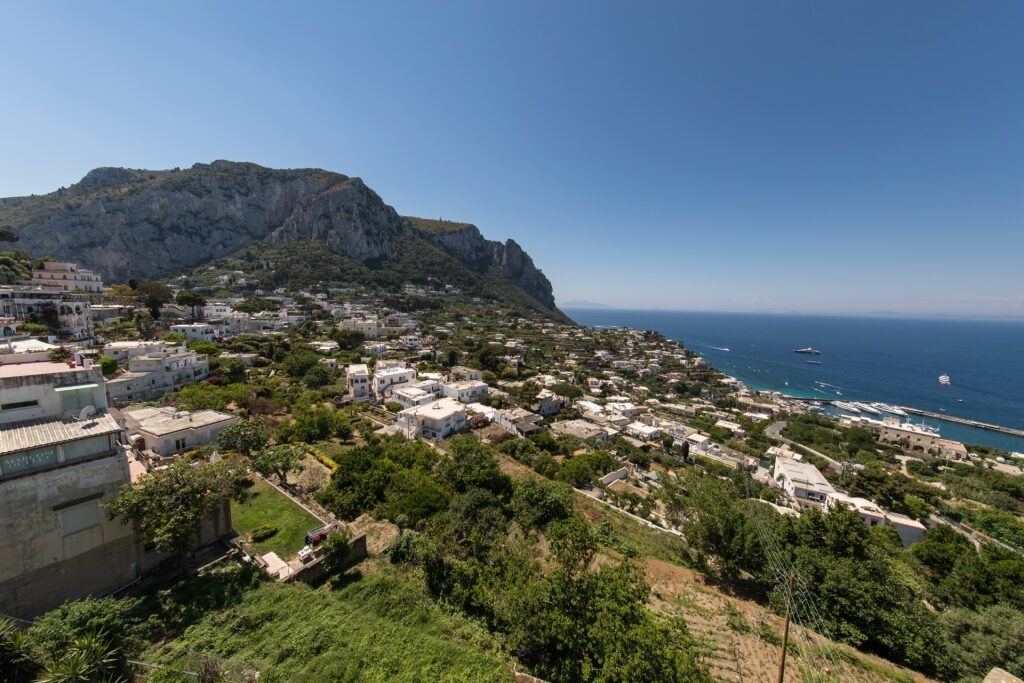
<point>465,242</point>
<point>130,223</point>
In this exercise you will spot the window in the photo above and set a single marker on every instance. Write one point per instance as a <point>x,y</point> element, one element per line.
<point>83,448</point>
<point>26,461</point>
<point>79,517</point>
<point>18,404</point>
<point>76,398</point>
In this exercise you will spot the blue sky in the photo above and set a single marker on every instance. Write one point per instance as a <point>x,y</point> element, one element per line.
<point>812,156</point>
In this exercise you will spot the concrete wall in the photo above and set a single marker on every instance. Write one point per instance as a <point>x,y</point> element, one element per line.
<point>42,561</point>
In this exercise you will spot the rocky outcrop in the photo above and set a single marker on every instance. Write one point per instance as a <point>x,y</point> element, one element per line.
<point>350,218</point>
<point>468,245</point>
<point>129,223</point>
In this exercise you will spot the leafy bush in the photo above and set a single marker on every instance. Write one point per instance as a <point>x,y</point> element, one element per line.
<point>263,532</point>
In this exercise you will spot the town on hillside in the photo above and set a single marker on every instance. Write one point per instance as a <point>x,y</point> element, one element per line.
<point>201,428</point>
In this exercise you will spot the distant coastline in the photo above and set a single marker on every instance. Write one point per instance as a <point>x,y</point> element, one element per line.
<point>890,359</point>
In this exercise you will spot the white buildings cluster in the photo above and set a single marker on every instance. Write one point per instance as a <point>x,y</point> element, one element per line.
<point>808,488</point>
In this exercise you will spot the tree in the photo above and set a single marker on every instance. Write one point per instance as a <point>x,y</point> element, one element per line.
<point>193,300</point>
<point>122,294</point>
<point>107,364</point>
<point>336,549</point>
<point>573,543</point>
<point>169,506</point>
<point>153,295</point>
<point>144,324</point>
<point>348,340</point>
<point>7,234</point>
<point>567,390</point>
<point>537,502</point>
<point>245,437</point>
<point>279,460</point>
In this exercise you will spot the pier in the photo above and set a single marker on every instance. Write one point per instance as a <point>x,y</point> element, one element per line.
<point>964,421</point>
<point>927,413</point>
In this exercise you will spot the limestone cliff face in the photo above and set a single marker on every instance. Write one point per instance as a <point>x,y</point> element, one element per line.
<point>131,223</point>
<point>468,245</point>
<point>350,218</point>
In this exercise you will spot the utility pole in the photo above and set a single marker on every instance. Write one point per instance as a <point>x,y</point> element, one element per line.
<point>785,632</point>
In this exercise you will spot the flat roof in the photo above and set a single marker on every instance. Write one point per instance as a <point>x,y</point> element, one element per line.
<point>42,367</point>
<point>21,436</point>
<point>162,421</point>
<point>438,410</point>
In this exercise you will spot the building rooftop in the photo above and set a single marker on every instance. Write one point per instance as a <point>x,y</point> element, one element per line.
<point>20,436</point>
<point>438,410</point>
<point>161,421</point>
<point>805,474</point>
<point>38,368</point>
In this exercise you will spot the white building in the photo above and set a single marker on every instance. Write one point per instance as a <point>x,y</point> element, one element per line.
<point>806,485</point>
<point>461,372</point>
<point>156,373</point>
<point>358,380</point>
<point>436,420</point>
<point>411,396</point>
<point>166,431</point>
<point>643,431</point>
<point>385,380</point>
<point>466,391</point>
<point>196,331</point>
<point>67,277</point>
<point>73,312</point>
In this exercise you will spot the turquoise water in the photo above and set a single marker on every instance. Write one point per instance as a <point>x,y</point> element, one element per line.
<point>893,360</point>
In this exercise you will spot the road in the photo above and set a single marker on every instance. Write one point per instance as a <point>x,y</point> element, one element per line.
<point>774,432</point>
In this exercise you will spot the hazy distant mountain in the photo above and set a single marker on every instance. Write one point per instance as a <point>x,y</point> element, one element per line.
<point>582,303</point>
<point>131,223</point>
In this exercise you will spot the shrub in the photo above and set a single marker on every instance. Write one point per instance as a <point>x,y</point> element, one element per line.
<point>263,532</point>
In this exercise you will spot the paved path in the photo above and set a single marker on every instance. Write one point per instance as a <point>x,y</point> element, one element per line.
<point>774,432</point>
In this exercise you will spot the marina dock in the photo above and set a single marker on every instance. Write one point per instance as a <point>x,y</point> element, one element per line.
<point>964,421</point>
<point>927,413</point>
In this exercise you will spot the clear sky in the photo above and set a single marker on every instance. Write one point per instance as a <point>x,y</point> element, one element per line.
<point>816,156</point>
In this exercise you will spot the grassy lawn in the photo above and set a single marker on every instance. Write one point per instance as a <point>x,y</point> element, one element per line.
<point>267,506</point>
<point>377,628</point>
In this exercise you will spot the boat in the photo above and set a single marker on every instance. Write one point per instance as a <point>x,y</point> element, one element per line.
<point>944,379</point>
<point>871,410</point>
<point>808,350</point>
<point>813,362</point>
<point>886,408</point>
<point>848,407</point>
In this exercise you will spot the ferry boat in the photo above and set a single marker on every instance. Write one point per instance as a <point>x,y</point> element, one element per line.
<point>808,350</point>
<point>944,379</point>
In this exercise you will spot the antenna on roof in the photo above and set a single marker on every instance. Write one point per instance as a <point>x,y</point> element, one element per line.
<point>86,413</point>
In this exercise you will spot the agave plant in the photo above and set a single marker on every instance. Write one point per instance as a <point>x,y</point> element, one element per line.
<point>19,660</point>
<point>89,659</point>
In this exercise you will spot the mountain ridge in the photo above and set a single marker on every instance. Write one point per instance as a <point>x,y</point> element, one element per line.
<point>141,224</point>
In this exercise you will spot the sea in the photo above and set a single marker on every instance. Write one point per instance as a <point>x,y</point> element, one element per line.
<point>888,359</point>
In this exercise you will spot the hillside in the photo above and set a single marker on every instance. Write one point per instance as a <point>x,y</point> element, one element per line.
<point>141,224</point>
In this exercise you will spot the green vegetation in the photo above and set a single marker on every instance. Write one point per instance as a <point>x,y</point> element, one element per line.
<point>265,505</point>
<point>380,628</point>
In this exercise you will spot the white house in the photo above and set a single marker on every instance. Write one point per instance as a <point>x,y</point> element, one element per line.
<point>466,391</point>
<point>358,380</point>
<point>156,373</point>
<point>196,331</point>
<point>166,431</point>
<point>436,420</point>
<point>67,277</point>
<point>411,396</point>
<point>386,379</point>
